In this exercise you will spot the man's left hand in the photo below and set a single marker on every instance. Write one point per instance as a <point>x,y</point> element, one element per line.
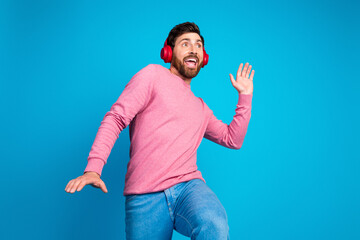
<point>243,84</point>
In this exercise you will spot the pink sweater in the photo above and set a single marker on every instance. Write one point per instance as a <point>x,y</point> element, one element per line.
<point>167,123</point>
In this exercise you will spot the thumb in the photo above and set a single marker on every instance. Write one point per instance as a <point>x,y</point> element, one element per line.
<point>232,79</point>
<point>103,187</point>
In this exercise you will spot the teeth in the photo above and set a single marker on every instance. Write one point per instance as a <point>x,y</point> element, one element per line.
<point>191,59</point>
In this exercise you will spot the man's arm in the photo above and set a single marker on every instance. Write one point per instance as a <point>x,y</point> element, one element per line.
<point>232,135</point>
<point>132,100</point>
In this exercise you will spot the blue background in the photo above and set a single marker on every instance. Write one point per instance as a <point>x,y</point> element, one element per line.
<point>64,63</point>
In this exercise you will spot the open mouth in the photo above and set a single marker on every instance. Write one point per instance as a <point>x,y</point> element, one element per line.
<point>191,62</point>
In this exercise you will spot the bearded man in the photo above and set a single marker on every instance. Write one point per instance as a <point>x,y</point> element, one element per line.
<point>164,190</point>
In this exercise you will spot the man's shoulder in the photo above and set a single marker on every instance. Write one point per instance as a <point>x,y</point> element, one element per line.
<point>151,72</point>
<point>148,74</point>
<point>151,68</point>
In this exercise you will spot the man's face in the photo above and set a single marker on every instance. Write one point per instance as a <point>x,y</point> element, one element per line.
<point>188,54</point>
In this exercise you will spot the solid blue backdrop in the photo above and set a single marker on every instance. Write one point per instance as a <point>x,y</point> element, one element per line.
<point>64,63</point>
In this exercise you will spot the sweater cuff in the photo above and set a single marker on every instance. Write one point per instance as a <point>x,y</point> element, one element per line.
<point>245,99</point>
<point>94,165</point>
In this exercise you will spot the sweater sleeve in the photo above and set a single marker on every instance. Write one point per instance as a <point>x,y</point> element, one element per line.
<point>132,100</point>
<point>232,135</point>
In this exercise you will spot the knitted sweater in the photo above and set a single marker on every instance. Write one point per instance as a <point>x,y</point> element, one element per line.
<point>166,124</point>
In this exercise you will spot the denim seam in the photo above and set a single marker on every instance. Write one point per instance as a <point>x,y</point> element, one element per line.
<point>192,229</point>
<point>172,195</point>
<point>169,200</point>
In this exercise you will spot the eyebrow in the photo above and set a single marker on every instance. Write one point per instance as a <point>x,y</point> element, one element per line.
<point>188,39</point>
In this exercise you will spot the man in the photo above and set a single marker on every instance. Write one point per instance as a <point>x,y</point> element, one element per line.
<point>163,188</point>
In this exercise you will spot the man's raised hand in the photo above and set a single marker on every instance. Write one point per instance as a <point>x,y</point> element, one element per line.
<point>88,178</point>
<point>243,84</point>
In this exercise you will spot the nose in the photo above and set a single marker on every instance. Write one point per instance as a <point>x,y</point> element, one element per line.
<point>192,49</point>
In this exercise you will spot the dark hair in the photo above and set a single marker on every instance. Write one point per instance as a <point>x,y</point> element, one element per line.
<point>181,29</point>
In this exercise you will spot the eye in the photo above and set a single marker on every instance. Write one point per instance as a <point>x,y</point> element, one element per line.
<point>199,45</point>
<point>184,44</point>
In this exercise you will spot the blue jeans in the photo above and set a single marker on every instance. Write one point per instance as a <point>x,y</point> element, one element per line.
<point>191,208</point>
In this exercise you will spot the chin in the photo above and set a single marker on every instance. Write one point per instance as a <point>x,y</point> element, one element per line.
<point>184,70</point>
<point>189,72</point>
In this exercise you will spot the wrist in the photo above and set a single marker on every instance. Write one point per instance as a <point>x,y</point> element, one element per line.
<point>245,93</point>
<point>92,173</point>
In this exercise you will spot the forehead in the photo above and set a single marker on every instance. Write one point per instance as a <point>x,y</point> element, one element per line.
<point>192,36</point>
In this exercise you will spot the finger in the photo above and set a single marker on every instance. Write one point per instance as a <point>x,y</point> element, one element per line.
<point>103,187</point>
<point>243,73</point>
<point>71,185</point>
<point>81,186</point>
<point>252,75</point>
<point>248,72</point>
<point>238,74</point>
<point>76,184</point>
<point>232,79</point>
<point>68,185</point>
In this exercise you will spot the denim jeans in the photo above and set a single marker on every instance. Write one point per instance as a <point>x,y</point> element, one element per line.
<point>191,208</point>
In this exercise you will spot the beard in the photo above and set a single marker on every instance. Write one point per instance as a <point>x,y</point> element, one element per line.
<point>184,70</point>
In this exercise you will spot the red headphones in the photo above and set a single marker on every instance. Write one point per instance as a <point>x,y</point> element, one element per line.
<point>166,54</point>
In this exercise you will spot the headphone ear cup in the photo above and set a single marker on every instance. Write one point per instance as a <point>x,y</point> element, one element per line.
<point>166,54</point>
<point>205,58</point>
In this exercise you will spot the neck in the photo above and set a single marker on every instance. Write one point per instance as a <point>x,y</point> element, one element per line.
<point>174,71</point>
